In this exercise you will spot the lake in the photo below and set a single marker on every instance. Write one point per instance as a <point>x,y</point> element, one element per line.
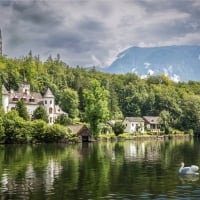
<point>104,170</point>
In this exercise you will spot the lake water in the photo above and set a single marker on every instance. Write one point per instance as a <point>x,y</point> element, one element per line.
<point>106,170</point>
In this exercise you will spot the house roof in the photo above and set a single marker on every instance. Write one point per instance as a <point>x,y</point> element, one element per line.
<point>134,119</point>
<point>80,129</point>
<point>58,110</point>
<point>30,98</point>
<point>152,119</point>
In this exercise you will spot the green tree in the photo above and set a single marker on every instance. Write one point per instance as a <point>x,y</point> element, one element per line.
<point>39,129</point>
<point>40,113</point>
<point>16,129</point>
<point>96,106</point>
<point>69,102</point>
<point>55,133</point>
<point>115,112</point>
<point>118,128</point>
<point>63,119</point>
<point>22,110</point>
<point>165,120</point>
<point>191,113</point>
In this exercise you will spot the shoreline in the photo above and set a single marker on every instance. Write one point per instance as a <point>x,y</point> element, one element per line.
<point>146,137</point>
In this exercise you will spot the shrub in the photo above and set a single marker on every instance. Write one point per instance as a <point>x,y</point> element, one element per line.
<point>55,133</point>
<point>2,130</point>
<point>38,130</point>
<point>16,129</point>
<point>118,128</point>
<point>72,138</point>
<point>63,119</point>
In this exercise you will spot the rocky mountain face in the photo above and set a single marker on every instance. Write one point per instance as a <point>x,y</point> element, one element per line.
<point>180,63</point>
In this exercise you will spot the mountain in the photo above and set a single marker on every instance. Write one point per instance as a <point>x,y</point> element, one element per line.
<point>180,63</point>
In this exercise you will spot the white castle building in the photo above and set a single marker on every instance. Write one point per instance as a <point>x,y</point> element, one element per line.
<point>32,101</point>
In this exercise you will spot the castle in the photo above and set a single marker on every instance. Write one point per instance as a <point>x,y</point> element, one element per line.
<point>32,101</point>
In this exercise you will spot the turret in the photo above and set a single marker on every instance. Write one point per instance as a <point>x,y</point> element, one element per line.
<point>24,88</point>
<point>49,102</point>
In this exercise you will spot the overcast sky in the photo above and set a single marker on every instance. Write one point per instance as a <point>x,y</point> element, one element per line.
<point>93,32</point>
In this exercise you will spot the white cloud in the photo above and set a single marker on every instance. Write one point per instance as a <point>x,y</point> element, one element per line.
<point>147,64</point>
<point>175,78</point>
<point>168,70</point>
<point>87,32</point>
<point>150,72</point>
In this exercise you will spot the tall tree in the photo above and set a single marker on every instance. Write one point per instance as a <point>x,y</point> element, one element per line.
<point>165,121</point>
<point>22,110</point>
<point>96,106</point>
<point>191,113</point>
<point>69,102</point>
<point>40,113</point>
<point>62,120</point>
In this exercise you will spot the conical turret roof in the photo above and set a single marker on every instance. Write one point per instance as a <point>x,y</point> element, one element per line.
<point>48,94</point>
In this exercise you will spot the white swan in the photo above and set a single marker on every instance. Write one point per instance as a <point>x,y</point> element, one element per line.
<point>188,170</point>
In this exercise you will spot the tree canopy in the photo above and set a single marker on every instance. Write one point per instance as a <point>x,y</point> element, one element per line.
<point>96,105</point>
<point>89,94</point>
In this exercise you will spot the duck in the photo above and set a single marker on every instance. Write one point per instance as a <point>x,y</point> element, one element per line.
<point>188,170</point>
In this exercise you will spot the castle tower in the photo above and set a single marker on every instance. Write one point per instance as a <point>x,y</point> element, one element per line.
<point>0,43</point>
<point>49,104</point>
<point>25,88</point>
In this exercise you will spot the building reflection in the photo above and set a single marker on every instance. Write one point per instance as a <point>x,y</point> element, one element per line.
<point>52,171</point>
<point>142,151</point>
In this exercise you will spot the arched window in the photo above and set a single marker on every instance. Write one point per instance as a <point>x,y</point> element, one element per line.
<point>50,110</point>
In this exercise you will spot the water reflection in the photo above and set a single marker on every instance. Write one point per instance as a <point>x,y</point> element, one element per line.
<point>52,171</point>
<point>188,178</point>
<point>131,169</point>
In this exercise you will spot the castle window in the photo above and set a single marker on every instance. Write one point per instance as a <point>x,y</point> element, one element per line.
<point>15,98</point>
<point>50,101</point>
<point>32,99</point>
<point>50,120</point>
<point>45,101</point>
<point>50,110</point>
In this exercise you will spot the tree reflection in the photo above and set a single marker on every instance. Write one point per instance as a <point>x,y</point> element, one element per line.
<point>93,170</point>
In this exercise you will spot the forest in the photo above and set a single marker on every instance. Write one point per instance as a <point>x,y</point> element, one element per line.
<point>94,97</point>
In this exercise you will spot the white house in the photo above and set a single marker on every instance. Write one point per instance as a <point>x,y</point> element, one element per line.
<point>133,124</point>
<point>152,123</point>
<point>32,101</point>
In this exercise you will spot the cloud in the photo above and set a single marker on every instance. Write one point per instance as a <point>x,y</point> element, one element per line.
<point>89,33</point>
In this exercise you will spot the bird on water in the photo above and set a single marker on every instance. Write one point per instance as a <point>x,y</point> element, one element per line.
<point>188,170</point>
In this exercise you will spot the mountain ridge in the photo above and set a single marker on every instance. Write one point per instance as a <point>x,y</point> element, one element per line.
<point>179,62</point>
